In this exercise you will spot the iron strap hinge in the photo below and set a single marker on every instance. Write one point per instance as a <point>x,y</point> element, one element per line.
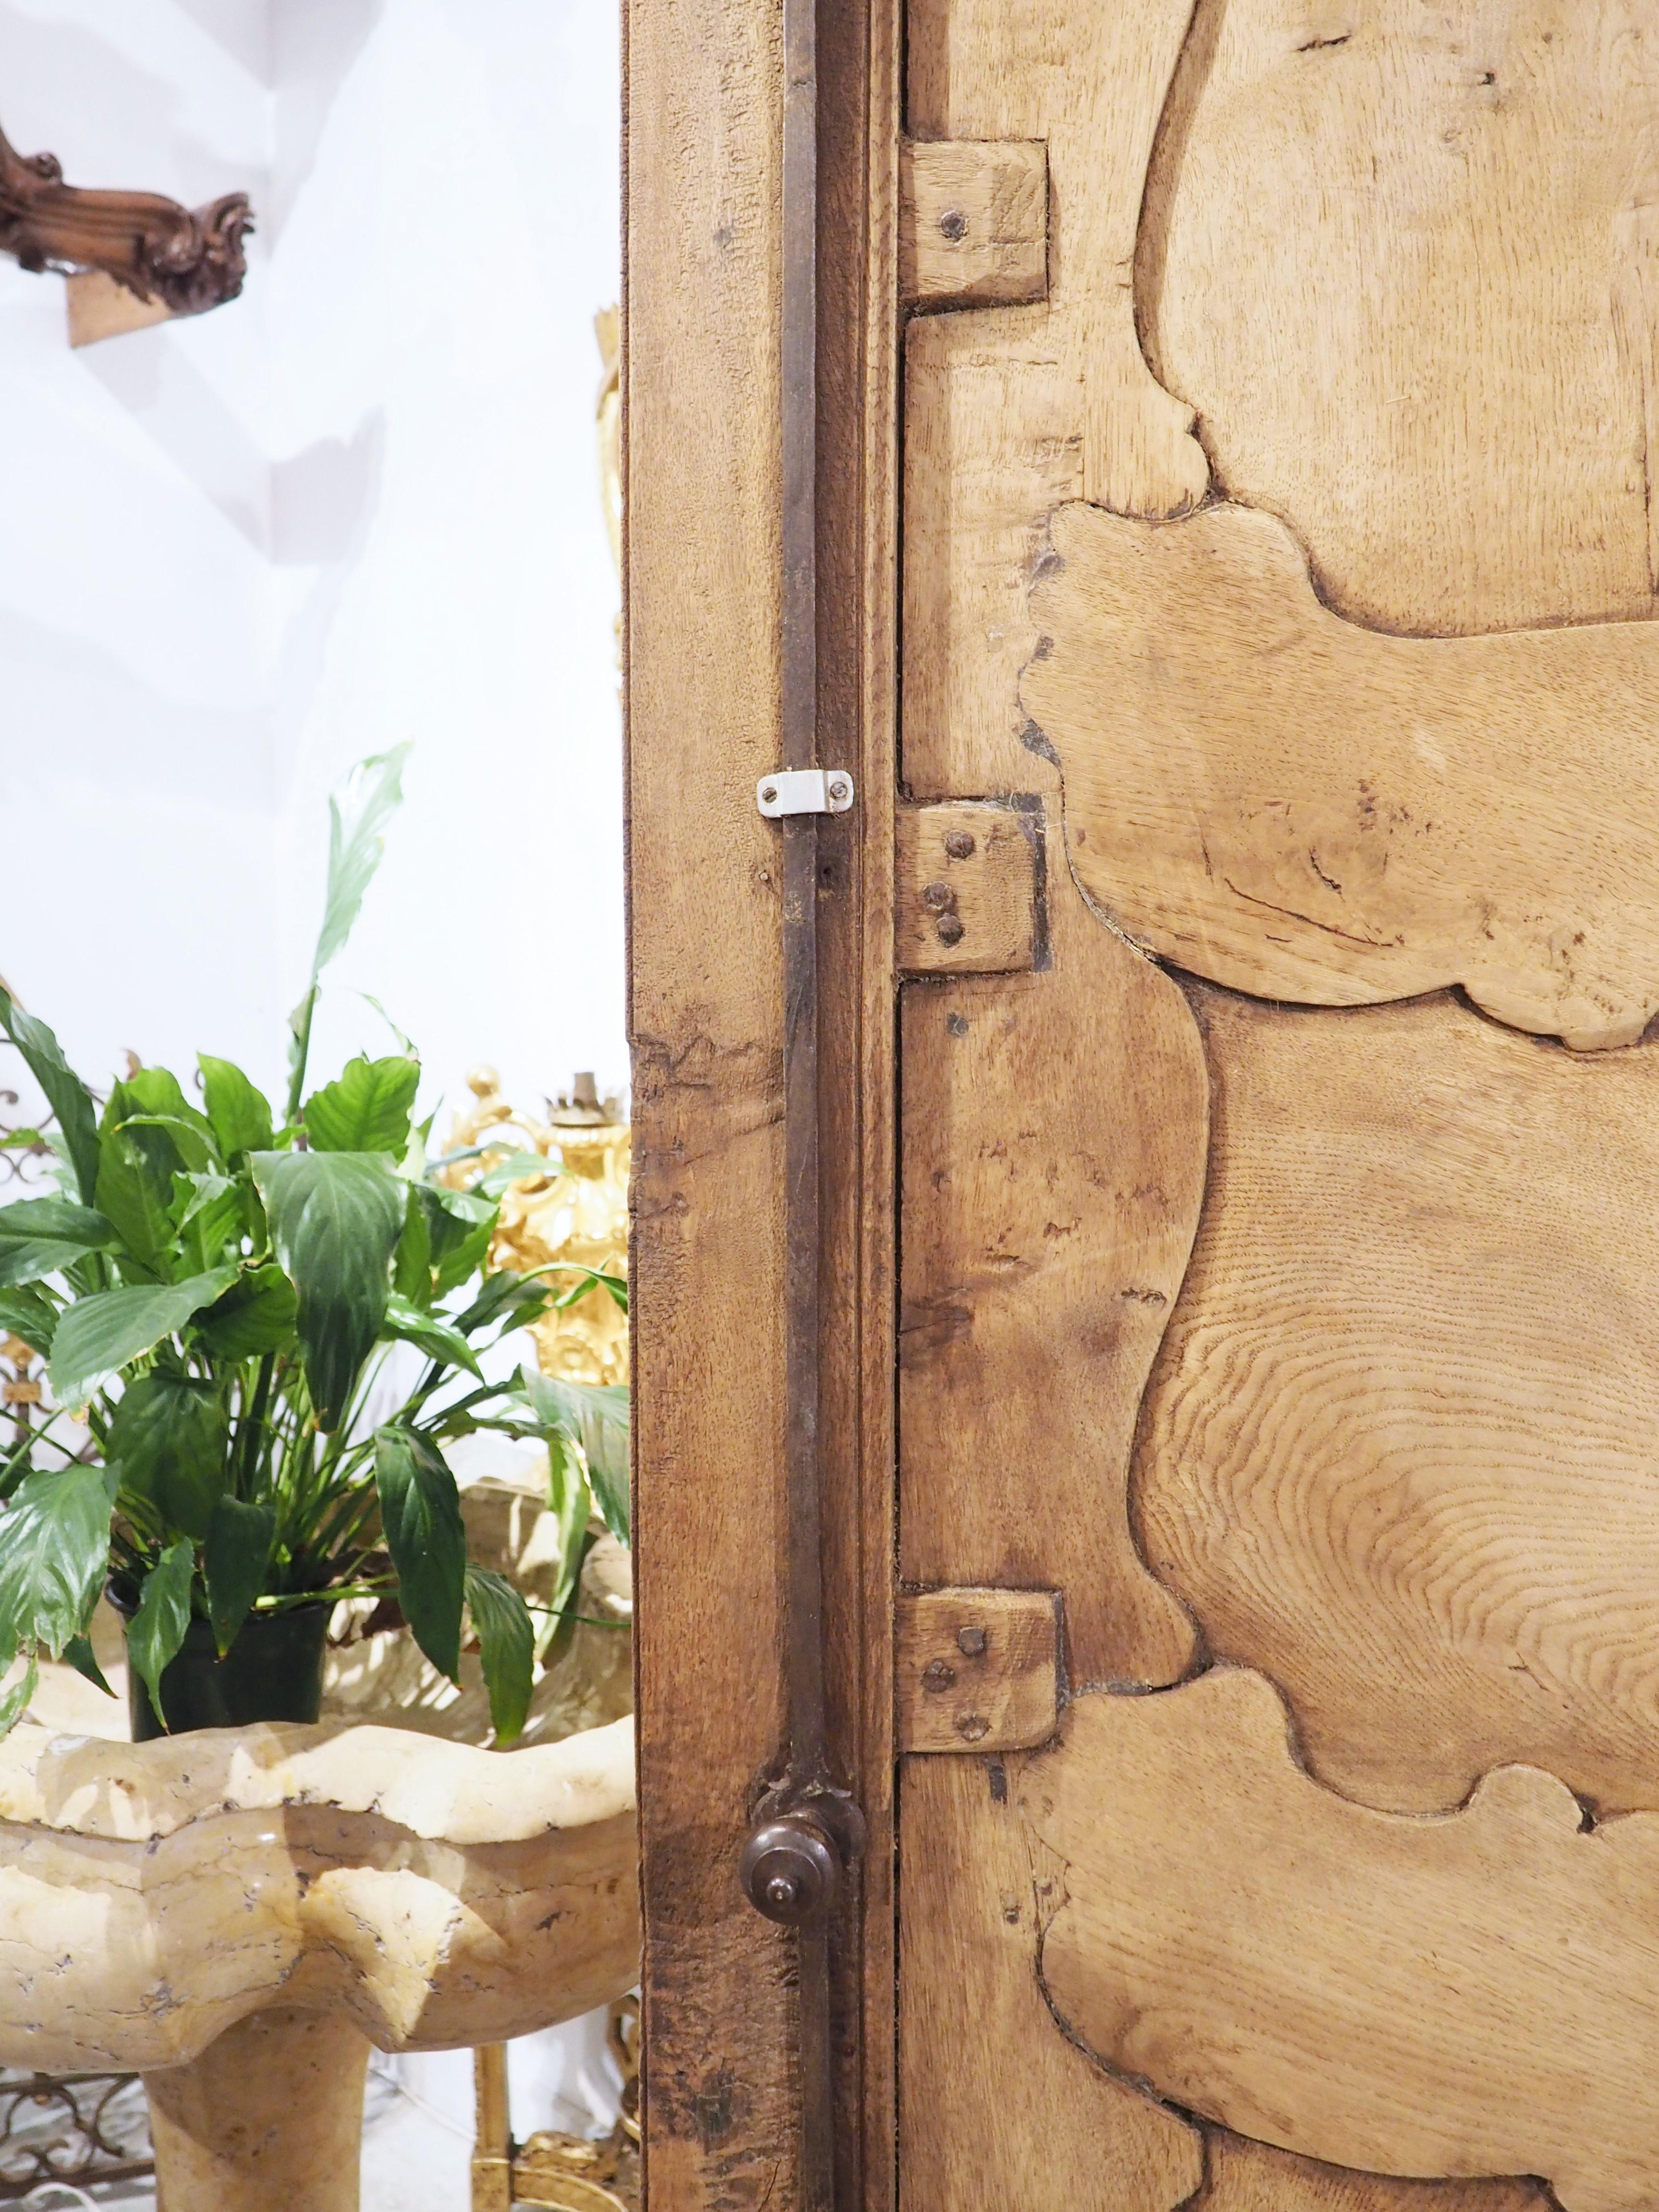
<point>803,791</point>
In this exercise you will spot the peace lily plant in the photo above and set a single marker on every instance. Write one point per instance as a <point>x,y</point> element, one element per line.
<point>220,1295</point>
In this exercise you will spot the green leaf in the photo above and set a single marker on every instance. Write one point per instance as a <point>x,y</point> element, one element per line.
<point>81,1655</point>
<point>366,1109</point>
<point>595,1416</point>
<point>136,1167</point>
<point>156,1630</point>
<point>255,1314</point>
<point>431,1333</point>
<point>97,1336</point>
<point>507,1645</point>
<point>570,1501</point>
<point>54,1554</point>
<point>518,1167</point>
<point>462,1229</point>
<point>152,1097</point>
<point>358,820</point>
<point>38,1235</point>
<point>194,1196</point>
<point>70,1099</point>
<point>171,1440</point>
<point>212,1213</point>
<point>234,1561</point>
<point>421,1516</point>
<point>20,1140</point>
<point>414,1159</point>
<point>15,1702</point>
<point>28,1314</point>
<point>335,1220</point>
<point>411,1263</point>
<point>448,1246</point>
<point>511,1300</point>
<point>240,1114</point>
<point>614,1286</point>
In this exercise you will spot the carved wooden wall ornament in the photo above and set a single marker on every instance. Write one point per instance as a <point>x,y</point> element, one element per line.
<point>188,260</point>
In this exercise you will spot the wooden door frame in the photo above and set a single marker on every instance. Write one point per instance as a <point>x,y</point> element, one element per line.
<point>701,461</point>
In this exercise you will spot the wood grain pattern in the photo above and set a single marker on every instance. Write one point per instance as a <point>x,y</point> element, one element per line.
<point>976,1669</point>
<point>992,442</point>
<point>999,2108</point>
<point>1399,1448</point>
<point>1468,1996</point>
<point>858,358</point>
<point>1046,1233</point>
<point>700,539</point>
<point>1240,2176</point>
<point>973,223</point>
<point>1462,429</point>
<point>1091,82</point>
<point>970,889</point>
<point>1296,807</point>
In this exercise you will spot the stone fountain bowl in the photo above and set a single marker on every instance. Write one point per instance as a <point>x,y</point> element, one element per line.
<point>238,1914</point>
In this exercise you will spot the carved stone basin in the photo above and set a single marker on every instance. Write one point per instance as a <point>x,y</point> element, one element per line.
<point>238,1914</point>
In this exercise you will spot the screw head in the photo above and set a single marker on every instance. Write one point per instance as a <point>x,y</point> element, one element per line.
<point>838,787</point>
<point>959,844</point>
<point>970,1641</point>
<point>954,224</point>
<point>937,1676</point>
<point>949,929</point>
<point>768,793</point>
<point>940,896</point>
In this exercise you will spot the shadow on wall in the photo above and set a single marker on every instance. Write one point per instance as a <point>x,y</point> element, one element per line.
<point>315,507</point>
<point>242,27</point>
<point>314,44</point>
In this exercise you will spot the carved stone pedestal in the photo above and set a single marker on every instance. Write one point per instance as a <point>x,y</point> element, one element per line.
<point>236,1914</point>
<point>268,2119</point>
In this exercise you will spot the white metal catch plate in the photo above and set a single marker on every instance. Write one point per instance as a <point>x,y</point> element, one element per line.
<point>805,790</point>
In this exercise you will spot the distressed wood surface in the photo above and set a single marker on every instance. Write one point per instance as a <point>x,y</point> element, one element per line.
<point>1090,81</point>
<point>1468,1996</point>
<point>1046,1233</point>
<point>1399,1450</point>
<point>973,223</point>
<point>1462,428</point>
<point>860,352</point>
<point>1426,1518</point>
<point>976,1669</point>
<point>701,536</point>
<point>970,888</point>
<point>999,2109</point>
<point>993,441</point>
<point>1292,804</point>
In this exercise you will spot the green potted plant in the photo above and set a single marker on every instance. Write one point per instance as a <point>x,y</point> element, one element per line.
<point>219,1295</point>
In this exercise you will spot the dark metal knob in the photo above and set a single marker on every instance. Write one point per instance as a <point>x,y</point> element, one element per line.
<point>790,1868</point>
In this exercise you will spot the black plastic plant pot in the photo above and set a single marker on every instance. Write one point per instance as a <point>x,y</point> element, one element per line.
<point>272,1672</point>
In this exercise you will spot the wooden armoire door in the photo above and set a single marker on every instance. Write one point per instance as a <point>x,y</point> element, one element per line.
<point>1245,1634</point>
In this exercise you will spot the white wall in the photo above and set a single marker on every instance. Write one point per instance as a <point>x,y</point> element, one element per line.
<point>358,505</point>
